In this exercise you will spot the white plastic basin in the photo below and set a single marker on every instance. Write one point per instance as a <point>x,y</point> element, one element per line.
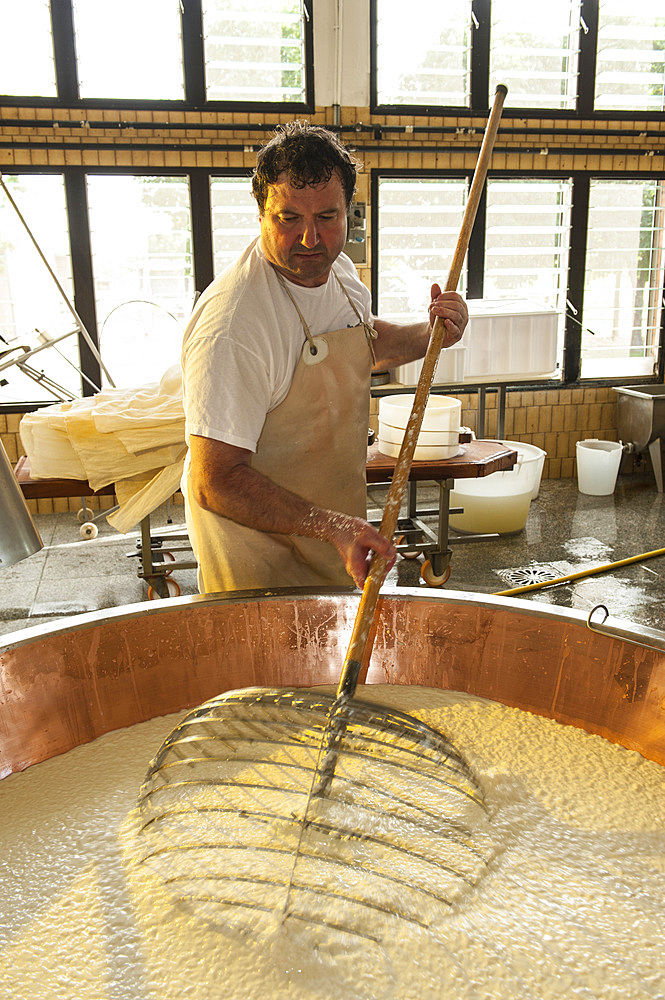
<point>500,502</point>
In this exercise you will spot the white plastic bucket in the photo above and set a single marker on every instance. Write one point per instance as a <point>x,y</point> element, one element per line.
<point>500,502</point>
<point>598,466</point>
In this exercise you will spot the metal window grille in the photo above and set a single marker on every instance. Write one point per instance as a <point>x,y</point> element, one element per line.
<point>624,278</point>
<point>630,67</point>
<point>254,50</point>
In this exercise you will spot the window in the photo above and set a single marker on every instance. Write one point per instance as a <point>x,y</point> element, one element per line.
<point>526,242</point>
<point>130,49</point>
<point>254,50</point>
<point>140,232</point>
<point>420,219</point>
<point>630,68</point>
<point>423,55</point>
<point>30,305</point>
<point>534,51</point>
<point>26,49</point>
<point>624,278</point>
<point>235,219</point>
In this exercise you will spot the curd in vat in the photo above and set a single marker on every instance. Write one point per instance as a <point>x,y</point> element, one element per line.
<point>571,905</point>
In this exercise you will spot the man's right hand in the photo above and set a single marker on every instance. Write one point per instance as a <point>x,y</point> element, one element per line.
<point>356,541</point>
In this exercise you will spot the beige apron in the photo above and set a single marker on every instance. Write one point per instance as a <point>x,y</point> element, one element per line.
<point>314,443</point>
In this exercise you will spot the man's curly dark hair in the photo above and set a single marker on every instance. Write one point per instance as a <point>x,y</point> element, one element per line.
<point>307,154</point>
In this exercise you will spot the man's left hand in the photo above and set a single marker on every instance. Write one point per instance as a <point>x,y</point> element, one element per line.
<point>452,309</point>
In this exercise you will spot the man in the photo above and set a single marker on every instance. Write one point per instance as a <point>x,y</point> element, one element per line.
<point>276,366</point>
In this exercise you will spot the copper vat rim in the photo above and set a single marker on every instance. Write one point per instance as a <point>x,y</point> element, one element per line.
<point>66,683</point>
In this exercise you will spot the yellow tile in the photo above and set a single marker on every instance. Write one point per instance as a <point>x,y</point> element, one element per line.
<point>608,415</point>
<point>520,420</point>
<point>570,417</point>
<point>594,419</point>
<point>558,416</point>
<point>11,447</point>
<point>567,468</point>
<point>553,468</point>
<point>544,418</point>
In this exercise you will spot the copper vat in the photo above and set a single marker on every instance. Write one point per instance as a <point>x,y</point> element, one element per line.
<point>65,685</point>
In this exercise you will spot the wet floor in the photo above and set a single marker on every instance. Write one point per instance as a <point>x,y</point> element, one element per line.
<point>566,532</point>
<point>569,532</point>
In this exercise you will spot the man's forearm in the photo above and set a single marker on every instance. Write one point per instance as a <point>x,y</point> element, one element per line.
<point>399,344</point>
<point>250,498</point>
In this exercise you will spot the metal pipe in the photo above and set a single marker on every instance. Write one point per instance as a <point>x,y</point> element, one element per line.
<point>580,574</point>
<point>19,537</point>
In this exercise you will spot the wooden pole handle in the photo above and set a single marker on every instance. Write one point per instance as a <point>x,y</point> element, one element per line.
<point>360,645</point>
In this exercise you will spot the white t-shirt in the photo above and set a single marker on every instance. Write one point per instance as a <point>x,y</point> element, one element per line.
<point>244,340</point>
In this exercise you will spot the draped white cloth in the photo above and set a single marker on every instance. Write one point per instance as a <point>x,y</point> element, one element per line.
<point>134,438</point>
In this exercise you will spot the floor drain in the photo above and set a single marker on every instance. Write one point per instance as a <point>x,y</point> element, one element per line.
<point>522,576</point>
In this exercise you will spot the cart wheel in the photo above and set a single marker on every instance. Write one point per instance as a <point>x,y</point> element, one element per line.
<point>167,572</point>
<point>430,577</point>
<point>88,530</point>
<point>405,555</point>
<point>85,514</point>
<point>172,590</point>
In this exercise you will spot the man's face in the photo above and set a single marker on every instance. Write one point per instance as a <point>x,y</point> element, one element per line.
<point>303,230</point>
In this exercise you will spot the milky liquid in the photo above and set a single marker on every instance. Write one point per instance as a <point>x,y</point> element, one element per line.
<point>571,904</point>
<point>503,514</point>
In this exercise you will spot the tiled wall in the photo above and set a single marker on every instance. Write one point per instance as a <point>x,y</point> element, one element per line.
<point>553,419</point>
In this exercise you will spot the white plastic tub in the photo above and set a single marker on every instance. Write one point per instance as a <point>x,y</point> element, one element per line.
<point>449,369</point>
<point>509,339</point>
<point>500,502</point>
<point>530,462</point>
<point>439,434</point>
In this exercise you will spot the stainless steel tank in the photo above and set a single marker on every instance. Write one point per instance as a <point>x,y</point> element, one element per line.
<point>65,685</point>
<point>641,422</point>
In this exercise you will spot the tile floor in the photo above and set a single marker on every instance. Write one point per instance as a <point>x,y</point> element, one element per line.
<point>566,532</point>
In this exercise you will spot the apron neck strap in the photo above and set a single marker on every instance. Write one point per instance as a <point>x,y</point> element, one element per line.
<point>370,332</point>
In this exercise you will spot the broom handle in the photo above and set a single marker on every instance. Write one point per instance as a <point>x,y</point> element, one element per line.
<point>360,646</point>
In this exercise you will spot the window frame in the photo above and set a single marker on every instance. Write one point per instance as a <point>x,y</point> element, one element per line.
<point>202,251</point>
<point>480,77</point>
<point>80,246</point>
<point>64,49</point>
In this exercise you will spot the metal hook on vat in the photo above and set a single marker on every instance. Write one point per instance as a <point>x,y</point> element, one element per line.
<point>615,632</point>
